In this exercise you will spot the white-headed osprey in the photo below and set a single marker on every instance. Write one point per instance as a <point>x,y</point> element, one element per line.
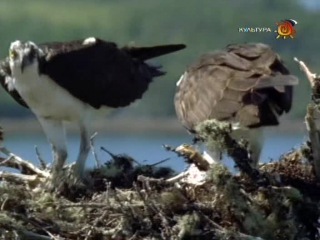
<point>71,81</point>
<point>246,85</point>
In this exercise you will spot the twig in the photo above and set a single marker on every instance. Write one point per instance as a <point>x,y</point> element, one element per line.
<point>222,230</point>
<point>123,207</point>
<point>314,135</point>
<point>116,157</point>
<point>115,230</point>
<point>15,161</point>
<point>30,235</point>
<point>100,218</point>
<point>89,233</point>
<point>142,178</point>
<point>191,155</point>
<point>17,177</point>
<point>146,186</point>
<point>199,165</point>
<point>43,164</point>
<point>164,222</point>
<point>84,205</point>
<point>310,76</point>
<point>313,115</point>
<point>107,192</point>
<point>144,200</point>
<point>133,236</point>
<point>4,203</point>
<point>215,225</point>
<point>52,236</point>
<point>22,233</point>
<point>314,81</point>
<point>178,177</point>
<point>160,162</point>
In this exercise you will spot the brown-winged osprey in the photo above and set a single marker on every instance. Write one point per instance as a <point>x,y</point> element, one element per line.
<point>246,85</point>
<point>72,81</point>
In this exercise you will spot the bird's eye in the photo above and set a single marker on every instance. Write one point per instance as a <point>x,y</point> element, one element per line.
<point>13,54</point>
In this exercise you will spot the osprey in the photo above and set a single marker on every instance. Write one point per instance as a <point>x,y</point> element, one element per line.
<point>246,85</point>
<point>73,81</point>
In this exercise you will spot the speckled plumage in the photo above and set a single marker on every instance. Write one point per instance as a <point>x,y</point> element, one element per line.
<point>245,84</point>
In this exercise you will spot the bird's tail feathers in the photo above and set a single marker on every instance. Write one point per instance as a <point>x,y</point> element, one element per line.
<point>278,81</point>
<point>145,53</point>
<point>156,71</point>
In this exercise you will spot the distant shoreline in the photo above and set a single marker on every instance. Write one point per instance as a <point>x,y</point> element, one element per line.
<point>136,125</point>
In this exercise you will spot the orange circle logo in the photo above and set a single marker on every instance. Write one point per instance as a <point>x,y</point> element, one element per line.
<point>286,29</point>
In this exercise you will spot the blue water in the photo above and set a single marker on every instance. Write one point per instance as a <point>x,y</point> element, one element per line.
<point>143,148</point>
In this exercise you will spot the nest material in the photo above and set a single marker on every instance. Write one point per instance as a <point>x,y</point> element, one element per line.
<point>278,200</point>
<point>227,206</point>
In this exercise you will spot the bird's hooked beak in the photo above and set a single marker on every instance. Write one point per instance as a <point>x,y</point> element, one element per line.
<point>13,54</point>
<point>14,51</point>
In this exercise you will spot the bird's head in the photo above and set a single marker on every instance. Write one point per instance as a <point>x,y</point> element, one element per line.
<point>22,55</point>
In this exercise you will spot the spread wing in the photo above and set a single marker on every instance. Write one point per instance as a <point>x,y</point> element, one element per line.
<point>5,75</point>
<point>246,84</point>
<point>99,73</point>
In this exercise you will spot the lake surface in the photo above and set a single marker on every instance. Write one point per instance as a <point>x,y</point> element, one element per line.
<point>143,148</point>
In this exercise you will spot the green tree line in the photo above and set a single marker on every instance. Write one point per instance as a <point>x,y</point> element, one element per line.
<point>203,25</point>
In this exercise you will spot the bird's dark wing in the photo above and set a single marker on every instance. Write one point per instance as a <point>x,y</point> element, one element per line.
<point>5,72</point>
<point>247,84</point>
<point>145,53</point>
<point>100,73</point>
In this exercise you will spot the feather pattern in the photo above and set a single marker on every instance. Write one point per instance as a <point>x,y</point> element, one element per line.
<point>246,84</point>
<point>95,71</point>
<point>5,75</point>
<point>117,77</point>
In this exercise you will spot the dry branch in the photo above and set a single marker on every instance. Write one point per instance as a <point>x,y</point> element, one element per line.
<point>198,168</point>
<point>312,117</point>
<point>310,76</point>
<point>24,166</point>
<point>43,164</point>
<point>191,155</point>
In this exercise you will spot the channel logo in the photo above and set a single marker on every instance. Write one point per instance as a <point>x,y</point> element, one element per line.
<point>286,29</point>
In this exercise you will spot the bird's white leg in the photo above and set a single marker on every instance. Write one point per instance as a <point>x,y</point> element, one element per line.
<point>211,158</point>
<point>55,132</point>
<point>83,151</point>
<point>214,153</point>
<point>256,139</point>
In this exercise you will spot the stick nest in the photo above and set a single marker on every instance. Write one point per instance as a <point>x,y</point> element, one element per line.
<point>125,200</point>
